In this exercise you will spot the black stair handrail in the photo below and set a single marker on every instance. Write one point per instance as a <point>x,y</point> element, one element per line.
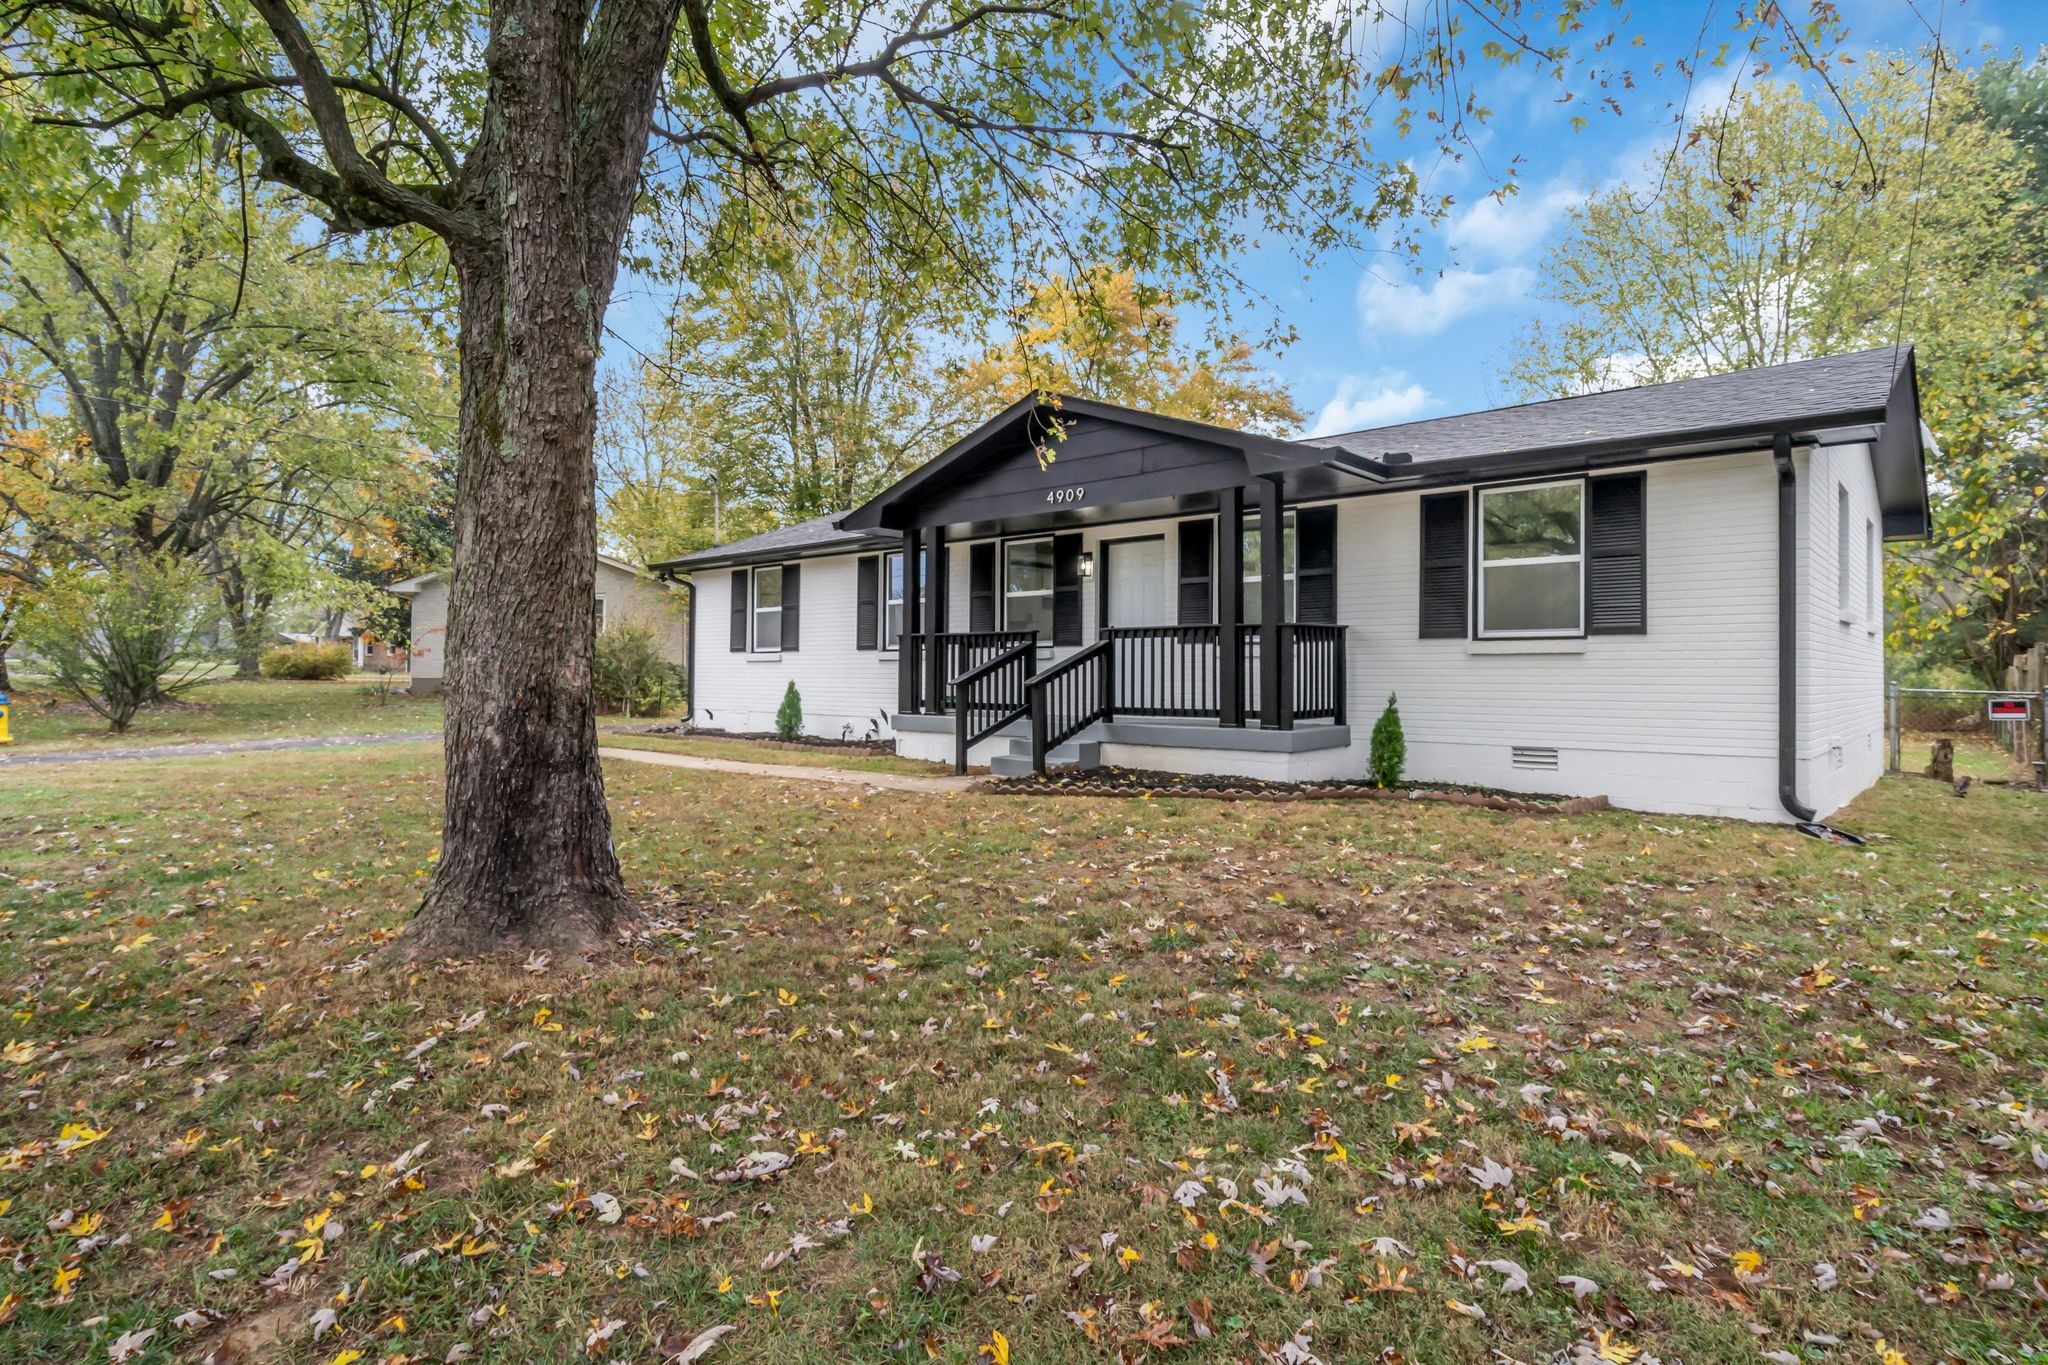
<point>996,692</point>
<point>1069,697</point>
<point>962,651</point>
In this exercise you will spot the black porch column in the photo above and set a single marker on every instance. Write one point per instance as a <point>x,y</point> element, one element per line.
<point>1229,591</point>
<point>1273,671</point>
<point>935,671</point>
<point>906,647</point>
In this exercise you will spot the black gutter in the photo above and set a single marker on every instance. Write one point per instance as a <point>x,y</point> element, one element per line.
<point>1788,631</point>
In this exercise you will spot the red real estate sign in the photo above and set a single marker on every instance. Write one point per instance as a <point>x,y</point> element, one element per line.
<point>2011,708</point>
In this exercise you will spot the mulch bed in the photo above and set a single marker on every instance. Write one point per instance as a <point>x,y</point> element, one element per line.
<point>1141,783</point>
<point>768,739</point>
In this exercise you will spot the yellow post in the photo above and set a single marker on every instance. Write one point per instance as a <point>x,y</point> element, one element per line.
<point>5,738</point>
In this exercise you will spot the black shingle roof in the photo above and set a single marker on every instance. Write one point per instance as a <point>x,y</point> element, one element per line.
<point>816,536</point>
<point>1799,392</point>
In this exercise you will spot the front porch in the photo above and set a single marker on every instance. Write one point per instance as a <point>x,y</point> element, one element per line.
<point>1128,582</point>
<point>1166,689</point>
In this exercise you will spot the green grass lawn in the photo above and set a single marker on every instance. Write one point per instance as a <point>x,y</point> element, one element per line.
<point>747,751</point>
<point>228,710</point>
<point>896,1077</point>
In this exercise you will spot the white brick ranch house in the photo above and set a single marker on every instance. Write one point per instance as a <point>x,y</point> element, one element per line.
<point>1668,595</point>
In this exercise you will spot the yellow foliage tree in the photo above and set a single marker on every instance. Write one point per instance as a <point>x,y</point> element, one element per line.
<point>1106,335</point>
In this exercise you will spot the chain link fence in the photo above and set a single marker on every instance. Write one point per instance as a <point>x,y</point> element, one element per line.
<point>1973,719</point>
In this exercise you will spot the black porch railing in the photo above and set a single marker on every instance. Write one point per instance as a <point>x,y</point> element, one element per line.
<point>1318,684</point>
<point>987,698</point>
<point>1167,670</point>
<point>1173,671</point>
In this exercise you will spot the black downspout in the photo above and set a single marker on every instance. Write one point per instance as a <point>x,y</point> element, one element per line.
<point>1788,631</point>
<point>690,652</point>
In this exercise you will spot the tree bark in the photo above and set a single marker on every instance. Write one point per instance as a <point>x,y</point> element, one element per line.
<point>527,859</point>
<point>248,616</point>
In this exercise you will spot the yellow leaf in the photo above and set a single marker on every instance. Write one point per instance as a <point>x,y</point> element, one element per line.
<point>1477,1042</point>
<point>67,1279</point>
<point>998,1348</point>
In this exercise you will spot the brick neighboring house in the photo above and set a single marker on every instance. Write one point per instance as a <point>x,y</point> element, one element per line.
<point>624,593</point>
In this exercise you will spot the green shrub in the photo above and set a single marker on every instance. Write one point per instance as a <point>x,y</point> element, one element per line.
<point>630,674</point>
<point>1389,747</point>
<point>121,637</point>
<point>789,718</point>
<point>318,659</point>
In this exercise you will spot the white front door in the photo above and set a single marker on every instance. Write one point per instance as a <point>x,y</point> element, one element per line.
<point>1137,583</point>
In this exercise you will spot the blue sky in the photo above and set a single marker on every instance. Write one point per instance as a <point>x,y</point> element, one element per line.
<point>1380,344</point>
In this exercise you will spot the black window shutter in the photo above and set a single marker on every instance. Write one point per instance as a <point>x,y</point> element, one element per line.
<point>1066,590</point>
<point>981,586</point>
<point>740,605</point>
<point>1617,545</point>
<point>1315,566</point>
<point>792,606</point>
<point>1446,550</point>
<point>1196,576</point>
<point>867,606</point>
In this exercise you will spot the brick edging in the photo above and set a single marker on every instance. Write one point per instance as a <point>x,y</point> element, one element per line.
<point>1578,805</point>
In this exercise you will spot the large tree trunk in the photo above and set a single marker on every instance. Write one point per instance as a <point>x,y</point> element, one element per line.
<point>526,857</point>
<point>248,621</point>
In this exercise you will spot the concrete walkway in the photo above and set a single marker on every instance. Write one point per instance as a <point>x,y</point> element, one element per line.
<point>845,777</point>
<point>207,750</point>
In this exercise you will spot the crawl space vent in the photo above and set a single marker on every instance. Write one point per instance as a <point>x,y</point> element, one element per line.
<point>1535,760</point>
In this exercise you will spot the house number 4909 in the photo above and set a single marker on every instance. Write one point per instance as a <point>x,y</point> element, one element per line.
<point>1069,494</point>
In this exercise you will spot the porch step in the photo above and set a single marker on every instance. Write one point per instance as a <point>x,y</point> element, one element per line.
<point>1075,753</point>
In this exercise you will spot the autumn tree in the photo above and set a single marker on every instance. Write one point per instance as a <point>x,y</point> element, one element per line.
<point>524,137</point>
<point>1790,225</point>
<point>1105,335</point>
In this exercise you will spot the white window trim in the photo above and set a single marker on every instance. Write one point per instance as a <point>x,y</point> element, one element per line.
<point>600,613</point>
<point>1873,559</point>
<point>1048,592</point>
<point>1479,558</point>
<point>882,620</point>
<point>755,611</point>
<point>1845,567</point>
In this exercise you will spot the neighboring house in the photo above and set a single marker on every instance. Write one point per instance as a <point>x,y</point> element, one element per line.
<point>624,593</point>
<point>1668,595</point>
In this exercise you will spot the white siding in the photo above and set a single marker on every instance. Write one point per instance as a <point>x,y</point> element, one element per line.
<point>1682,718</point>
<point>1841,653</point>
<point>840,686</point>
<point>429,636</point>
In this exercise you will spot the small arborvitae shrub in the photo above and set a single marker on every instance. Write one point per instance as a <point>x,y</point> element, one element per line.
<point>308,661</point>
<point>789,718</point>
<point>1389,748</point>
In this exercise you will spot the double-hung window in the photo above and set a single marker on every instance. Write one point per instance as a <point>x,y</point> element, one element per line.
<point>1532,559</point>
<point>1027,586</point>
<point>1252,608</point>
<point>768,608</point>
<point>892,597</point>
<point>600,616</point>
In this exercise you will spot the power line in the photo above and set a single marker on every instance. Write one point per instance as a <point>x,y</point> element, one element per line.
<point>1919,175</point>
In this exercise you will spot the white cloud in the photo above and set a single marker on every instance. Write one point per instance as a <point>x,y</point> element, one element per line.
<point>1426,307</point>
<point>1508,229</point>
<point>1372,401</point>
